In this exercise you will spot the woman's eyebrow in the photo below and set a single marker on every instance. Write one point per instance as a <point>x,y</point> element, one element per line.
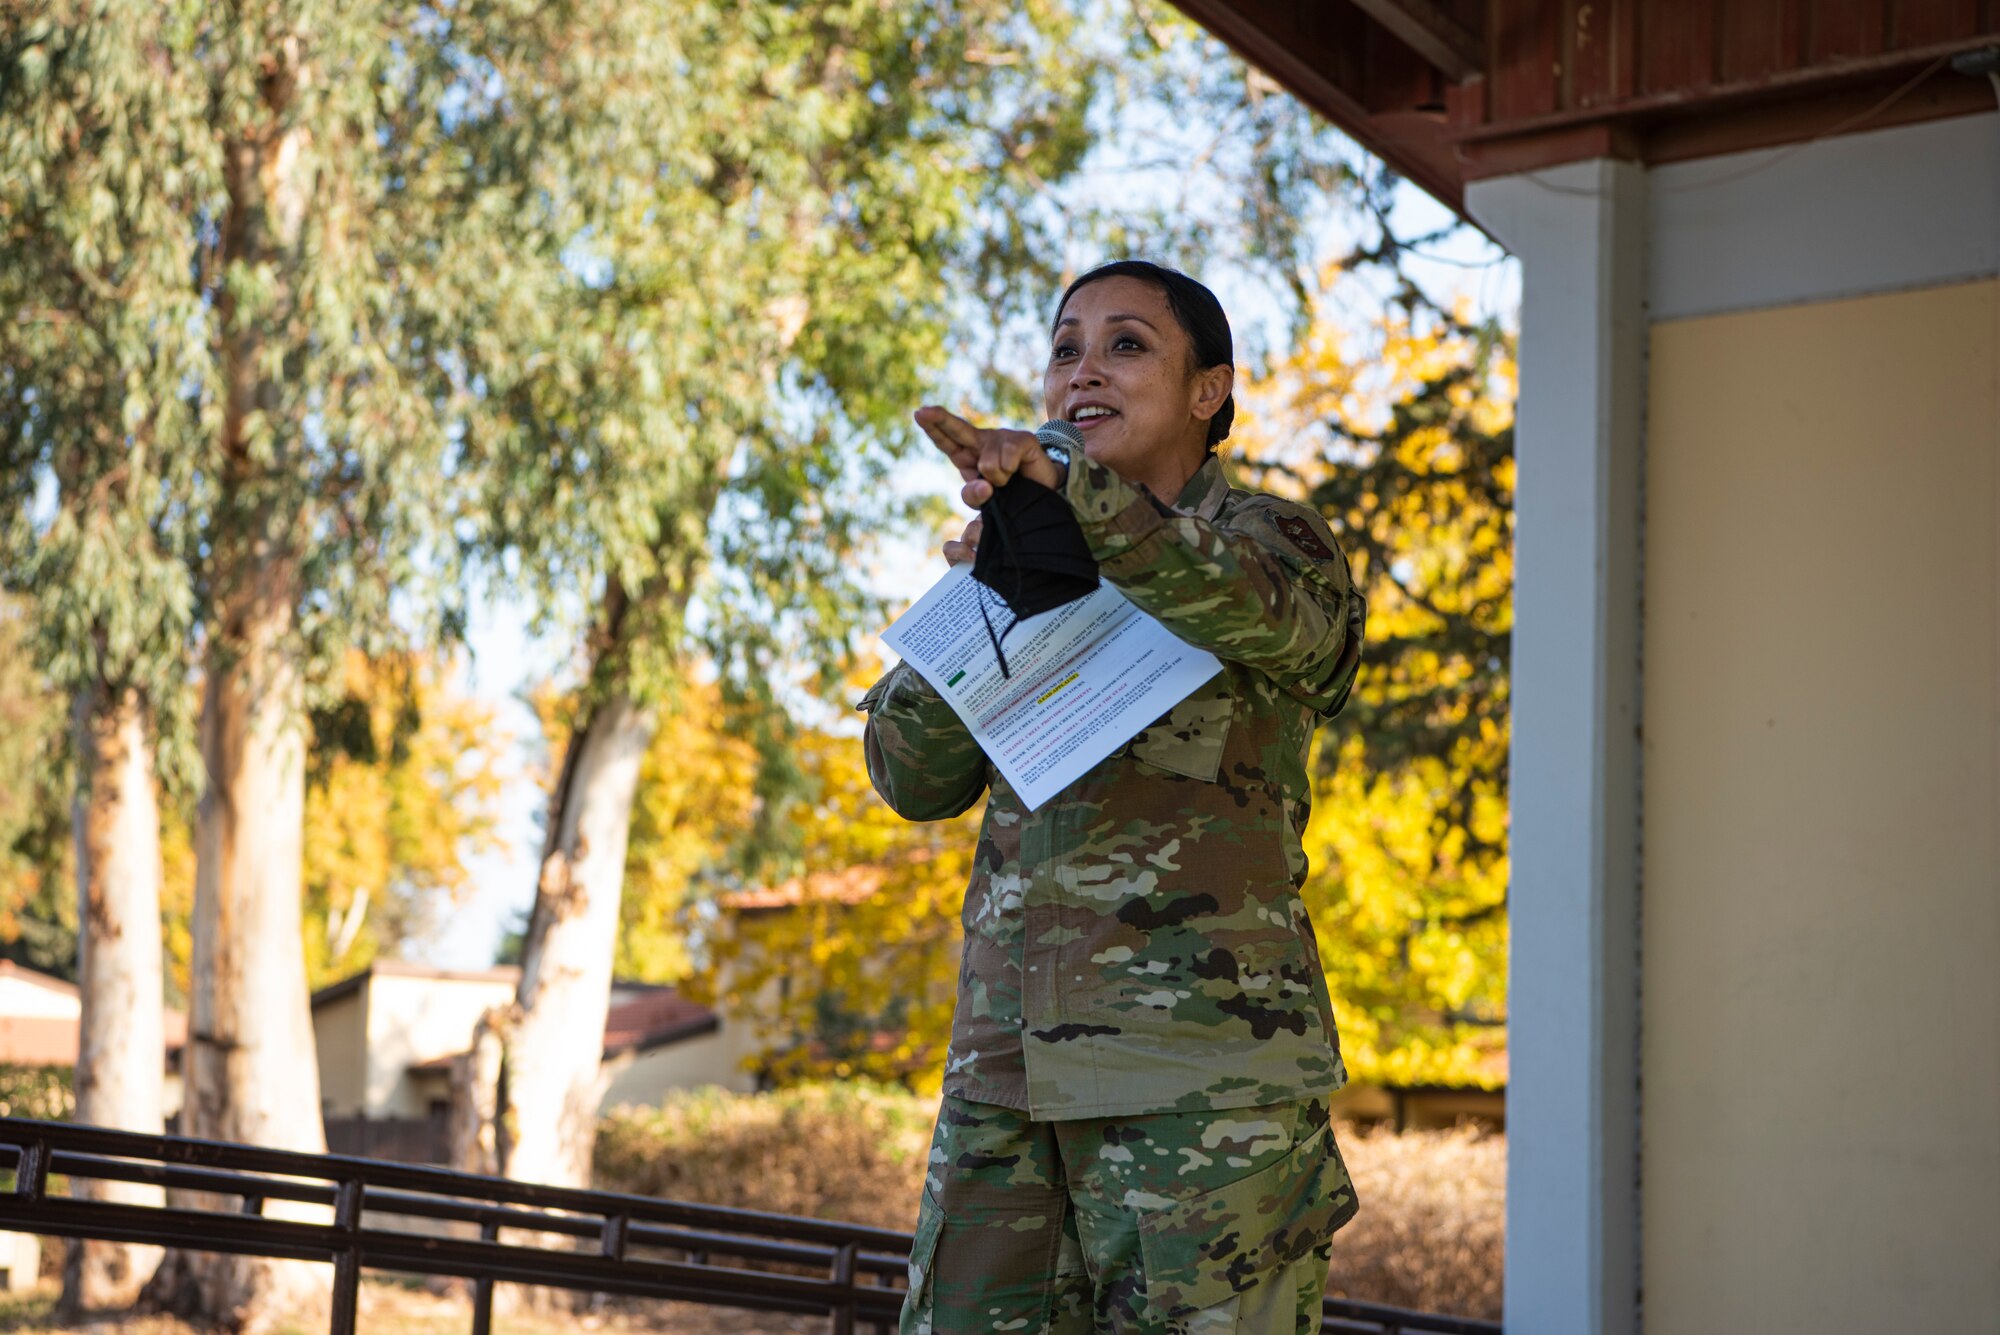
<point>1109,319</point>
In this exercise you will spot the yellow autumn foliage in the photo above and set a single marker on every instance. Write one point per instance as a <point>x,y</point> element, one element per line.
<point>850,967</point>
<point>1402,436</point>
<point>696,799</point>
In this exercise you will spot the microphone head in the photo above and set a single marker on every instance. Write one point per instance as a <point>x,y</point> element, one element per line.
<point>1061,440</point>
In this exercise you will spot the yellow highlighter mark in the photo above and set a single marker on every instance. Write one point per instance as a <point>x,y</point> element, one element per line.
<point>1055,690</point>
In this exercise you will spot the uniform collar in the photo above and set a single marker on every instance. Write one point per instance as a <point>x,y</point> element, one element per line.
<point>1203,494</point>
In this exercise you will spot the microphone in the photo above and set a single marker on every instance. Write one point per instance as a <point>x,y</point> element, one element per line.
<point>1061,441</point>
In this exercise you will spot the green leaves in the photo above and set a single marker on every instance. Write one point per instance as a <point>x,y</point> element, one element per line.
<point>605,291</point>
<point>750,225</point>
<point>37,903</point>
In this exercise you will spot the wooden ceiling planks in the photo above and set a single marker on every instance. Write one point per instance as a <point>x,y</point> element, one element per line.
<point>1841,32</point>
<point>1914,23</point>
<point>1603,38</point>
<point>1432,32</point>
<point>1523,83</point>
<point>1448,91</point>
<point>1759,40</point>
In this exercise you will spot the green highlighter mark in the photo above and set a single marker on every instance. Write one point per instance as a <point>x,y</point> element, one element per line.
<point>956,677</point>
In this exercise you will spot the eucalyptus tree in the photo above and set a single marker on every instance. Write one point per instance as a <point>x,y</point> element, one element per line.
<point>760,212</point>
<point>233,235</point>
<point>101,379</point>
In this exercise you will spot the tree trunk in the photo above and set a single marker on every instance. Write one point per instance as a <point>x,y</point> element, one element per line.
<point>475,1098</point>
<point>251,1071</point>
<point>120,1050</point>
<point>552,1079</point>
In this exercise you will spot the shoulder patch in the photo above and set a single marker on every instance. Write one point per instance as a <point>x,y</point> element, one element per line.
<point>1295,532</point>
<point>1301,533</point>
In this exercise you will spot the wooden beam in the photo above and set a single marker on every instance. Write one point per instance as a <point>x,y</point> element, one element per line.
<point>1264,32</point>
<point>1430,32</point>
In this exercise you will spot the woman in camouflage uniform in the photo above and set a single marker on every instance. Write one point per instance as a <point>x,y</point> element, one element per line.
<point>1134,1136</point>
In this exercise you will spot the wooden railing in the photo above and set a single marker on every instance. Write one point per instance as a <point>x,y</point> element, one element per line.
<point>361,1214</point>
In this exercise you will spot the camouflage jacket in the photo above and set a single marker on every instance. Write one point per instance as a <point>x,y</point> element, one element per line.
<point>1137,944</point>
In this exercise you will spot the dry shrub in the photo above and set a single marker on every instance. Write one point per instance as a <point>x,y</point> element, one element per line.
<point>853,1151</point>
<point>1430,1234</point>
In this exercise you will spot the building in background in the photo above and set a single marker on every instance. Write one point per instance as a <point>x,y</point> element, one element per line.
<point>39,1020</point>
<point>1754,1012</point>
<point>387,1037</point>
<point>657,1040</point>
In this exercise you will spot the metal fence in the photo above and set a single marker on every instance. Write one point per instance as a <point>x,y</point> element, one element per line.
<point>365,1214</point>
<point>404,1139</point>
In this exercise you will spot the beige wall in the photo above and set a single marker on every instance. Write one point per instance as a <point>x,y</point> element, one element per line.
<point>340,1036</point>
<point>20,997</point>
<point>711,1059</point>
<point>420,1018</point>
<point>1821,1055</point>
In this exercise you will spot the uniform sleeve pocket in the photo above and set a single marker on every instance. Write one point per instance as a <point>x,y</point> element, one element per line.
<point>1207,1249</point>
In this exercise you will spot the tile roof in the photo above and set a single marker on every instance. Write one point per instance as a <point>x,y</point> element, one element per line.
<point>654,1018</point>
<point>849,885</point>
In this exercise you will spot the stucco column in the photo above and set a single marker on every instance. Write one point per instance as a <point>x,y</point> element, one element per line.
<point>1572,1099</point>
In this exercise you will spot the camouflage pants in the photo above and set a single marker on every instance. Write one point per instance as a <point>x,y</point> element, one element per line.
<point>1200,1223</point>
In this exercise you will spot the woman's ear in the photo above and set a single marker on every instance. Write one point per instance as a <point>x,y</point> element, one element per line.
<point>1211,387</point>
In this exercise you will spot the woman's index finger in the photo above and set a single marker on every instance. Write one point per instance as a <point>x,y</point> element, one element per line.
<point>962,432</point>
<point>963,457</point>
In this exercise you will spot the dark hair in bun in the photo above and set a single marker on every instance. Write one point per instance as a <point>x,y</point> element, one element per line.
<point>1197,312</point>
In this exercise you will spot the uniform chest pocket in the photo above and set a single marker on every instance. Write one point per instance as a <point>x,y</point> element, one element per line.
<point>1188,738</point>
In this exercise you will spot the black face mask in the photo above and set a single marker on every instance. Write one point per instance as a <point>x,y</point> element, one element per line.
<point>1032,553</point>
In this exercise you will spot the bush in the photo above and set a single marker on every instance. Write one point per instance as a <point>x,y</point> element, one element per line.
<point>852,1151</point>
<point>41,1092</point>
<point>1431,1230</point>
<point>1428,1236</point>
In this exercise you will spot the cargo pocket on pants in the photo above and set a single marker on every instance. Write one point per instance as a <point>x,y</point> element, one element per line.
<point>1206,1250</point>
<point>917,1304</point>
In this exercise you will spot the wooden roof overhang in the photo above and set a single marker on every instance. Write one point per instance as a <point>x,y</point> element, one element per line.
<point>1450,91</point>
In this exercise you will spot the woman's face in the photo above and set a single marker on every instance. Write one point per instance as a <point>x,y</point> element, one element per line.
<point>1119,371</point>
